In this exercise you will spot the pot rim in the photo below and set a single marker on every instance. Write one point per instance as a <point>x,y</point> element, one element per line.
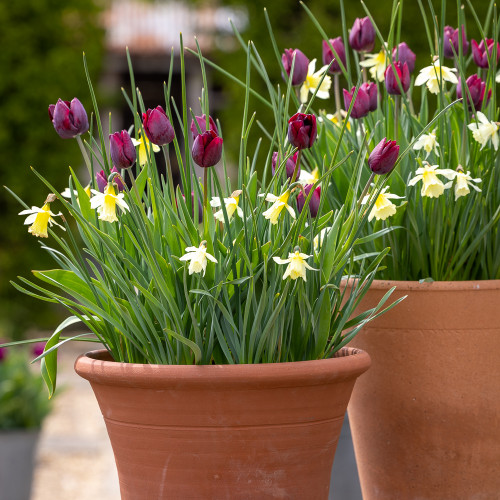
<point>436,286</point>
<point>97,367</point>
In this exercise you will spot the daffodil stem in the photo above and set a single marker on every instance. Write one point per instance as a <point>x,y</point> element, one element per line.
<point>168,166</point>
<point>336,87</point>
<point>85,156</point>
<point>464,143</point>
<point>368,184</point>
<point>297,166</point>
<point>363,70</point>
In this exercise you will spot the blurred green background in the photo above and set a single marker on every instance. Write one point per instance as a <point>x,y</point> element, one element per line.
<point>41,60</point>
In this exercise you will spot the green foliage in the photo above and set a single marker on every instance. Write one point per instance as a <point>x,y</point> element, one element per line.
<point>40,61</point>
<point>23,400</point>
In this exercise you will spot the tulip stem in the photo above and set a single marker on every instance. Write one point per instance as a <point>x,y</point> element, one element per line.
<point>363,69</point>
<point>85,156</point>
<point>205,191</point>
<point>397,106</point>
<point>169,174</point>
<point>336,86</point>
<point>296,169</point>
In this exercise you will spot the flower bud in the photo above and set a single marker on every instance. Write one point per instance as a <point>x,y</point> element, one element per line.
<point>362,104</point>
<point>450,38</point>
<point>122,149</point>
<point>329,56</point>
<point>313,202</point>
<point>290,164</point>
<point>362,35</point>
<point>302,130</point>
<point>477,89</point>
<point>404,54</point>
<point>157,126</point>
<point>202,123</point>
<point>370,89</point>
<point>207,149</point>
<point>102,180</point>
<point>481,51</point>
<point>38,349</point>
<point>383,157</point>
<point>3,353</point>
<point>69,118</point>
<point>300,66</point>
<point>391,82</point>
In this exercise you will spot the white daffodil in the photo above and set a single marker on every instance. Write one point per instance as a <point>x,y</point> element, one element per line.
<point>297,265</point>
<point>144,146</point>
<point>497,78</point>
<point>428,142</point>
<point>431,76</point>
<point>383,207</point>
<point>40,219</point>
<point>319,238</point>
<point>377,63</point>
<point>279,203</point>
<point>463,181</point>
<point>484,131</point>
<point>231,204</point>
<point>67,193</point>
<point>306,178</point>
<point>431,185</point>
<point>336,120</point>
<point>106,203</point>
<point>312,80</point>
<point>197,258</point>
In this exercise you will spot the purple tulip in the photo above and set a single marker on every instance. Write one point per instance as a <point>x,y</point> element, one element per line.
<point>383,157</point>
<point>38,349</point>
<point>313,202</point>
<point>371,89</point>
<point>404,54</point>
<point>207,149</point>
<point>329,56</point>
<point>481,51</point>
<point>290,164</point>
<point>122,149</point>
<point>69,118</point>
<point>202,123</point>
<point>477,89</point>
<point>450,42</point>
<point>300,67</point>
<point>362,35</point>
<point>362,105</point>
<point>102,180</point>
<point>157,126</point>
<point>3,353</point>
<point>302,130</point>
<point>391,82</point>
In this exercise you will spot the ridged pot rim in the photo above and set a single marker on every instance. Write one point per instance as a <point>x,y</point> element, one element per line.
<point>97,367</point>
<point>436,286</point>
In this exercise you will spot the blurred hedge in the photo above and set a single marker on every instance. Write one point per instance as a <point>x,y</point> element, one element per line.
<point>40,61</point>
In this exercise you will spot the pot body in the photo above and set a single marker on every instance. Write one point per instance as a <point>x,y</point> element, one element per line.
<point>224,431</point>
<point>17,459</point>
<point>426,422</point>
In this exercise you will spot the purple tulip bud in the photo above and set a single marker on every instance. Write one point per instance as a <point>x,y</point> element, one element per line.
<point>477,89</point>
<point>370,89</point>
<point>202,123</point>
<point>313,202</point>
<point>362,105</point>
<point>404,54</point>
<point>157,126</point>
<point>69,118</point>
<point>383,157</point>
<point>207,149</point>
<point>123,154</point>
<point>3,353</point>
<point>102,180</point>
<point>329,56</point>
<point>391,82</point>
<point>300,67</point>
<point>362,35</point>
<point>450,38</point>
<point>37,349</point>
<point>302,130</point>
<point>290,164</point>
<point>481,51</point>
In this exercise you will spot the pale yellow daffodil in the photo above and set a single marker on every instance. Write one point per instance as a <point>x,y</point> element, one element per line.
<point>383,207</point>
<point>319,238</point>
<point>431,76</point>
<point>484,130</point>
<point>312,82</point>
<point>144,146</point>
<point>427,142</point>
<point>297,265</point>
<point>197,258</point>
<point>106,203</point>
<point>279,203</point>
<point>377,63</point>
<point>463,181</point>
<point>306,178</point>
<point>41,218</point>
<point>231,204</point>
<point>432,186</point>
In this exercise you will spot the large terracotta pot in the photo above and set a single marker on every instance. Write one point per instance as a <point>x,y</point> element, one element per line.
<point>232,431</point>
<point>426,421</point>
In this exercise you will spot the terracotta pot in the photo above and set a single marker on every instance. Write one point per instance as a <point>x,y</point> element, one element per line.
<point>232,431</point>
<point>425,422</point>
